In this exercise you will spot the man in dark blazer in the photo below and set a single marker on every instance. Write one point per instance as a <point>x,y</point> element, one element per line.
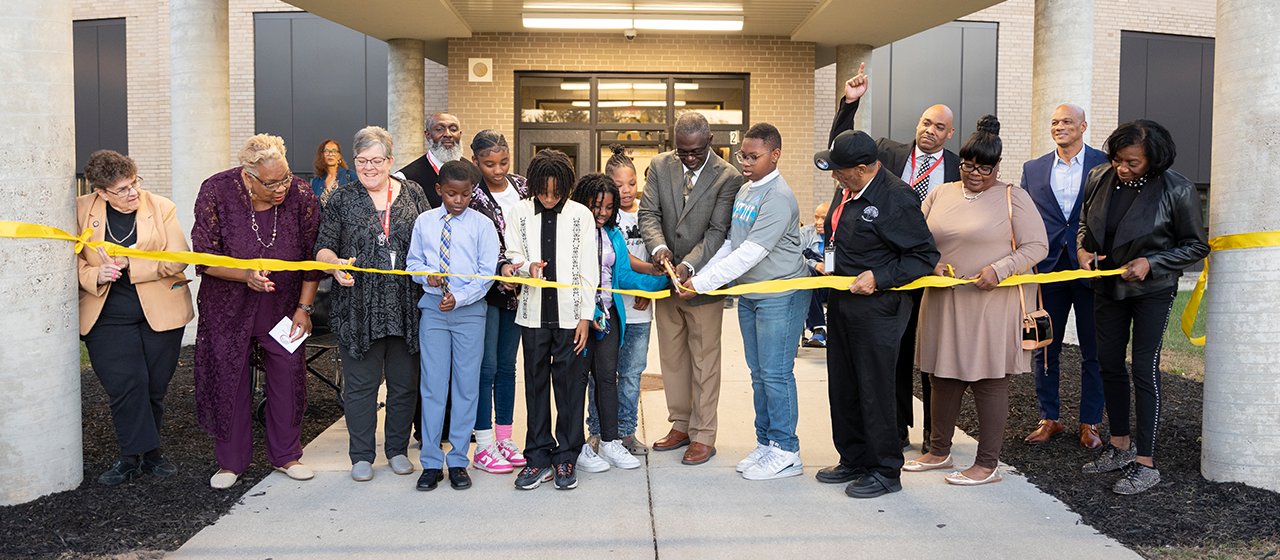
<point>684,219</point>
<point>924,164</point>
<point>444,144</point>
<point>1056,184</point>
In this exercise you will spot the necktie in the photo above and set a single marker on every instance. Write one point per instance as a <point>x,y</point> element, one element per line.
<point>444,253</point>
<point>921,183</point>
<point>688,184</point>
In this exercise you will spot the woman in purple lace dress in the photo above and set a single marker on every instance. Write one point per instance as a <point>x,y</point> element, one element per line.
<point>258,210</point>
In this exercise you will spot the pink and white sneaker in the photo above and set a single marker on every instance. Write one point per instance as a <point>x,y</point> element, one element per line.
<point>511,452</point>
<point>490,460</point>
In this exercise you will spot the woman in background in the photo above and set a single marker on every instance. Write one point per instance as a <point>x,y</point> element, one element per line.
<point>330,171</point>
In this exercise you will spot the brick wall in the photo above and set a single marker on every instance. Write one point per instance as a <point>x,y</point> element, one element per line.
<point>435,89</point>
<point>824,110</point>
<point>781,78</point>
<point>1014,47</point>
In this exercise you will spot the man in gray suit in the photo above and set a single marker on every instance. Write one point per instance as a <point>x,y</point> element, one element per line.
<point>684,218</point>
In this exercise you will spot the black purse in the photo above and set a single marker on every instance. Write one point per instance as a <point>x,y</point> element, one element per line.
<point>1037,326</point>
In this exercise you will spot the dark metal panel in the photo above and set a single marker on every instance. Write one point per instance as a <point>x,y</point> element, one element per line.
<point>328,87</point>
<point>113,87</point>
<point>926,72</point>
<point>1206,114</point>
<point>1173,96</point>
<point>881,89</point>
<point>272,84</point>
<point>977,82</point>
<point>1133,78</point>
<point>84,44</point>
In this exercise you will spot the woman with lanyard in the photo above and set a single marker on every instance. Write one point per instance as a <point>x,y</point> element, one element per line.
<point>369,223</point>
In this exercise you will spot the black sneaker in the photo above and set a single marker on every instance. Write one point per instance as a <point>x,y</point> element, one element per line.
<point>1137,478</point>
<point>160,466</point>
<point>122,471</point>
<point>566,476</point>
<point>530,477</point>
<point>1113,459</point>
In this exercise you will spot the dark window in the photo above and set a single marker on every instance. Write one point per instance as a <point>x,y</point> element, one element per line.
<point>101,85</point>
<point>952,64</point>
<point>1169,79</point>
<point>315,79</point>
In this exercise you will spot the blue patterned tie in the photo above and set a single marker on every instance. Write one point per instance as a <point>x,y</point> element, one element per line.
<point>444,253</point>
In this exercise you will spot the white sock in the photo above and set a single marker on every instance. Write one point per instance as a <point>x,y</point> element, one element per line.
<point>484,438</point>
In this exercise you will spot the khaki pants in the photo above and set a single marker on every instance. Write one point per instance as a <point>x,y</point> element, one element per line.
<point>689,346</point>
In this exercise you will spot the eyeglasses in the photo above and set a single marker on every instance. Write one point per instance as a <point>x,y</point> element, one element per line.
<point>276,186</point>
<point>332,151</point>
<point>376,162</point>
<point>749,159</point>
<point>694,153</point>
<point>133,186</point>
<point>983,170</point>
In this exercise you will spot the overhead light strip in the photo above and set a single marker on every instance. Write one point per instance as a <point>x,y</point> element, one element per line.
<point>655,22</point>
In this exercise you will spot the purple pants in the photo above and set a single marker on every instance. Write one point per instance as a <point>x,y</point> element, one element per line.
<point>283,438</point>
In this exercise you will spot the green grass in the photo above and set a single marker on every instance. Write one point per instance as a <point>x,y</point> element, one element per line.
<point>1173,337</point>
<point>84,356</point>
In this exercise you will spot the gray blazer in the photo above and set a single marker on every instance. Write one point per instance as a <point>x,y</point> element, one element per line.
<point>696,230</point>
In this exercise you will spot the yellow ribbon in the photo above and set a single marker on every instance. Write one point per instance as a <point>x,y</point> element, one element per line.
<point>1221,243</point>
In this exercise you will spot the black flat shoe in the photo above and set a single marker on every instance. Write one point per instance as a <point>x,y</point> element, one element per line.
<point>839,474</point>
<point>429,479</point>
<point>122,471</point>
<point>160,467</point>
<point>872,485</point>
<point>459,479</point>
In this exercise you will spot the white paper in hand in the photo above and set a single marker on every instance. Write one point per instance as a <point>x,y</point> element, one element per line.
<point>280,333</point>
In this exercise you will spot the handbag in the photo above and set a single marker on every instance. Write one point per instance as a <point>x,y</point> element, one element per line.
<point>1037,326</point>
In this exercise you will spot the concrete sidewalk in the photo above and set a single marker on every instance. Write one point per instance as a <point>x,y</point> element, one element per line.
<point>661,510</point>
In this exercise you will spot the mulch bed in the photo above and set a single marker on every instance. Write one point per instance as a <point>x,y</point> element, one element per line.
<point>146,513</point>
<point>1185,509</point>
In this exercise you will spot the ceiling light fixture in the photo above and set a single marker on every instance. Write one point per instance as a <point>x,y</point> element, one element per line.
<point>582,86</point>
<point>574,21</point>
<point>689,23</point>
<point>654,22</point>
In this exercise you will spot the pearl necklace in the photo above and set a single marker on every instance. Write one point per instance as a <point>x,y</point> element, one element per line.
<point>964,191</point>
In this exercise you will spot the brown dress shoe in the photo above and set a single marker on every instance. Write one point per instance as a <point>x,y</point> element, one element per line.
<point>674,439</point>
<point>1047,428</point>
<point>698,453</point>
<point>1089,436</point>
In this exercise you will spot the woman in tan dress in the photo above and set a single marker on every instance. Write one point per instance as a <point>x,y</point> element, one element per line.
<point>969,335</point>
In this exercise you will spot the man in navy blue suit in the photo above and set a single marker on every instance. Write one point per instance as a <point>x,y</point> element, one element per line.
<point>1056,183</point>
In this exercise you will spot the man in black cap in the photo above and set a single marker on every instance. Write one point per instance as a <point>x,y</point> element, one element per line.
<point>877,234</point>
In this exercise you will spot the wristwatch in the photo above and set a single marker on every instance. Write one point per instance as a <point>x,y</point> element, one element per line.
<point>305,307</point>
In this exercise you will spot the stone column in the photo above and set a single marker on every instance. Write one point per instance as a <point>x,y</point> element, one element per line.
<point>405,121</point>
<point>1241,437</point>
<point>1063,65</point>
<point>40,447</point>
<point>848,58</point>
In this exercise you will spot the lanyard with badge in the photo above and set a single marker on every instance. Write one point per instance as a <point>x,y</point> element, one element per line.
<point>922,176</point>
<point>830,257</point>
<point>384,238</point>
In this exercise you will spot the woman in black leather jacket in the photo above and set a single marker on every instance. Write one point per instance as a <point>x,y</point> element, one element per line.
<point>1143,217</point>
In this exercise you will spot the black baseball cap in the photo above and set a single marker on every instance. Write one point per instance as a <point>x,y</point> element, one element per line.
<point>851,148</point>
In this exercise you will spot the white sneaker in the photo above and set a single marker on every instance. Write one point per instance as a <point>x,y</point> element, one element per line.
<point>617,455</point>
<point>753,457</point>
<point>777,463</point>
<point>588,461</point>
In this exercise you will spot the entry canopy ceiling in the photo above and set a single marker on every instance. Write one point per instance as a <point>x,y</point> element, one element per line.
<point>826,22</point>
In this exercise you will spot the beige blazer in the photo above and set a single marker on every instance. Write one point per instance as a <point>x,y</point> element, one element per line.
<point>162,287</point>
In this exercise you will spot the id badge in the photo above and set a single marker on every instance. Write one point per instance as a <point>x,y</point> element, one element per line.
<point>829,258</point>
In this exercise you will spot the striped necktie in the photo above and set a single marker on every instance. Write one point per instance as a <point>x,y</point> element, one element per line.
<point>444,253</point>
<point>688,184</point>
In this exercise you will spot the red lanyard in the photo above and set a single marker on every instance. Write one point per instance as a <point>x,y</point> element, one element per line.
<point>922,176</point>
<point>835,216</point>
<point>436,168</point>
<point>386,216</point>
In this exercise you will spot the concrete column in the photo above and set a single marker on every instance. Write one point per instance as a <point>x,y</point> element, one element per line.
<point>1063,65</point>
<point>405,71</point>
<point>200,98</point>
<point>848,58</point>
<point>1241,438</point>
<point>40,448</point>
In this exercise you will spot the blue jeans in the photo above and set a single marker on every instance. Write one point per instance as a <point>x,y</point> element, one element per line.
<point>497,399</point>
<point>633,357</point>
<point>770,328</point>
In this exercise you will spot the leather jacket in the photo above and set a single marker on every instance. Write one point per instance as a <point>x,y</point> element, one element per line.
<point>1163,225</point>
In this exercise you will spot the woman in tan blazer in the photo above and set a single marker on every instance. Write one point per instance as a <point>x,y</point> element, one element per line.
<point>132,311</point>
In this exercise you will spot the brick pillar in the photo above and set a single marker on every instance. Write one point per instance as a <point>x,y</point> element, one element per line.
<point>1063,65</point>
<point>405,68</point>
<point>848,59</point>
<point>40,447</point>
<point>1241,437</point>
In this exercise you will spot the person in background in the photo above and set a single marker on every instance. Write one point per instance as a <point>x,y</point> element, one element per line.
<point>331,171</point>
<point>133,347</point>
<point>1055,182</point>
<point>763,245</point>
<point>444,144</point>
<point>259,210</point>
<point>1141,216</point>
<point>813,241</point>
<point>633,357</point>
<point>971,335</point>
<point>456,240</point>
<point>617,271</point>
<point>552,237</point>
<point>369,223</point>
<point>494,196</point>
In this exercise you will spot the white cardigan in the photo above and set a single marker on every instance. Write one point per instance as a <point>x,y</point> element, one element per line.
<point>577,262</point>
